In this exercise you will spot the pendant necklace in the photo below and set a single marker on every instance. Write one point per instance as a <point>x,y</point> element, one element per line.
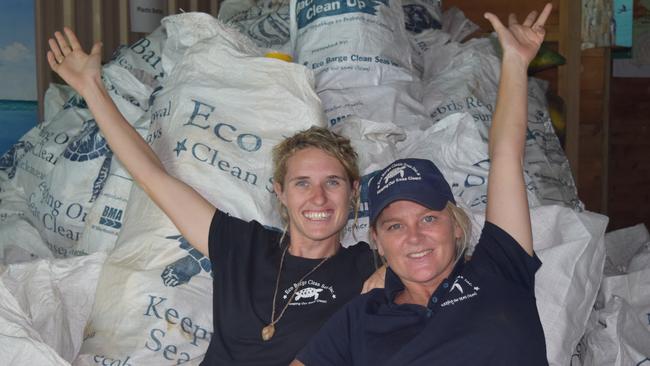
<point>269,330</point>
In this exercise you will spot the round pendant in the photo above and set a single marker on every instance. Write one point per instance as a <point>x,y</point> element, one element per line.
<point>268,331</point>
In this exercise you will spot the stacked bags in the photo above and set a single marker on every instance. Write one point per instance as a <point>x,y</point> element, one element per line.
<point>618,332</point>
<point>220,109</point>
<point>392,77</point>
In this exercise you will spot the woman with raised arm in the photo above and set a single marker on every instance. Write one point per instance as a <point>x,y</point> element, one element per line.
<point>272,291</point>
<point>438,308</point>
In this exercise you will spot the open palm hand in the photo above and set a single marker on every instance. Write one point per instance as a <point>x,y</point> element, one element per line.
<point>68,59</point>
<point>521,41</point>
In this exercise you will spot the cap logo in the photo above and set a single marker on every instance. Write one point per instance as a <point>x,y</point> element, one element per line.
<point>399,172</point>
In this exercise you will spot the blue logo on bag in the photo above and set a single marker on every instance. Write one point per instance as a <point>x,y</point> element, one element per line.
<point>88,145</point>
<point>417,18</point>
<point>181,271</point>
<point>111,217</point>
<point>75,101</point>
<point>310,10</point>
<point>9,161</point>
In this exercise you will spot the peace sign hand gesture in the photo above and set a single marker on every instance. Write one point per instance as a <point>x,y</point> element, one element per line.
<point>520,42</point>
<point>68,59</point>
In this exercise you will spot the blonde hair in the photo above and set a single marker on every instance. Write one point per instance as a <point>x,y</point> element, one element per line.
<point>325,140</point>
<point>462,220</point>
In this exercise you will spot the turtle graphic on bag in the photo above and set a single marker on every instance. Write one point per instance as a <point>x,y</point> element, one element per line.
<point>181,271</point>
<point>87,146</point>
<point>9,161</point>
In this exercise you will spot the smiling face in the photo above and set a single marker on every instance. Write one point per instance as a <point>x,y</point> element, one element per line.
<point>316,193</point>
<point>417,242</point>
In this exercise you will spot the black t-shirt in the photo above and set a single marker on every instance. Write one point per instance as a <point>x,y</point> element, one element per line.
<point>245,260</point>
<point>483,314</point>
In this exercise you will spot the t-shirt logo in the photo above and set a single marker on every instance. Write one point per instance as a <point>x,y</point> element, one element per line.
<point>309,292</point>
<point>461,290</point>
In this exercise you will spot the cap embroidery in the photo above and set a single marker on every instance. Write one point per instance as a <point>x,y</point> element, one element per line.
<point>397,173</point>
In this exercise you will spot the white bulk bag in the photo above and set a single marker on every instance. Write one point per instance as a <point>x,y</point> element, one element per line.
<point>57,295</point>
<point>617,335</point>
<point>397,103</point>
<point>60,203</point>
<point>19,341</point>
<point>468,82</point>
<point>455,145</point>
<point>351,43</point>
<point>214,122</point>
<point>143,58</point>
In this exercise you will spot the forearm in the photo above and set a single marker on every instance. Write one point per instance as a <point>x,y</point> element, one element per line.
<point>510,118</point>
<point>125,142</point>
<point>507,198</point>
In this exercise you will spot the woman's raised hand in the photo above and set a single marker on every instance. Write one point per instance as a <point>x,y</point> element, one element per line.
<point>521,41</point>
<point>68,59</point>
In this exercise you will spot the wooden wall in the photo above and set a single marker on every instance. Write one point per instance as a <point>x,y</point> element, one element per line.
<point>629,141</point>
<point>593,150</point>
<point>629,149</point>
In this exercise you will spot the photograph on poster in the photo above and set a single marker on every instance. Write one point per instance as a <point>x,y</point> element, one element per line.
<point>18,100</point>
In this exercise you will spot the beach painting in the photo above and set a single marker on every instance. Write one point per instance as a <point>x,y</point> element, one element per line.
<point>18,99</point>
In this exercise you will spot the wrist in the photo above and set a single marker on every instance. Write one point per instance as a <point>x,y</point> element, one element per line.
<point>514,63</point>
<point>93,87</point>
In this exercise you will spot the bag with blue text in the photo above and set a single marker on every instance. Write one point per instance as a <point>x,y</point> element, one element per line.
<point>221,109</point>
<point>464,78</point>
<point>395,102</point>
<point>60,204</point>
<point>64,166</point>
<point>351,43</point>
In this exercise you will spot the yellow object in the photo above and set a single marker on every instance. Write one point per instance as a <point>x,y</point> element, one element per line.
<point>279,56</point>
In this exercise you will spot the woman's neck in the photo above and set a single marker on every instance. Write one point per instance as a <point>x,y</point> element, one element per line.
<point>314,249</point>
<point>417,293</point>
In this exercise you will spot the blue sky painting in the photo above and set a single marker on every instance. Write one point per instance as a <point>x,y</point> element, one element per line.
<point>17,53</point>
<point>18,99</point>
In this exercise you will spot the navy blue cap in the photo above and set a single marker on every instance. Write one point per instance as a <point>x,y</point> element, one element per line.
<point>416,180</point>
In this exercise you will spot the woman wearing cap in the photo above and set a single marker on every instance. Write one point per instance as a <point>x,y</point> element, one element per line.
<point>272,291</point>
<point>437,308</point>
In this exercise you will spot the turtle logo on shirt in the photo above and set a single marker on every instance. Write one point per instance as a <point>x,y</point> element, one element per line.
<point>182,271</point>
<point>308,292</point>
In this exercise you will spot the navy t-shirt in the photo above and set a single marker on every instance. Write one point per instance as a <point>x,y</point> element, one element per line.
<point>245,259</point>
<point>483,314</point>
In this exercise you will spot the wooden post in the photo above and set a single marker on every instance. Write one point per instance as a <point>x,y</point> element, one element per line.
<point>97,20</point>
<point>123,15</point>
<point>569,75</point>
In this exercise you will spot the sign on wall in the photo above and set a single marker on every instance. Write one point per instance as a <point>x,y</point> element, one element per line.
<point>146,14</point>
